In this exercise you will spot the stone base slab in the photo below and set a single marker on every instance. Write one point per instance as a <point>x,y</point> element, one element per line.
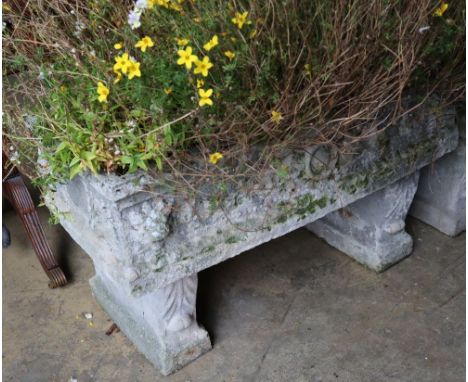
<point>169,352</point>
<point>371,230</point>
<point>377,257</point>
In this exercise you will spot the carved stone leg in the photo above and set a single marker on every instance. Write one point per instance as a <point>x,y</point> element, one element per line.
<point>372,230</point>
<point>441,197</point>
<point>162,324</point>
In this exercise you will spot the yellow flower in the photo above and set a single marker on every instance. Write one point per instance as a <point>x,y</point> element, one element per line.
<point>276,116</point>
<point>200,84</point>
<point>240,19</point>
<point>103,92</point>
<point>211,44</point>
<point>176,7</point>
<point>119,77</point>
<point>134,69</point>
<point>182,41</point>
<point>215,157</point>
<point>186,57</point>
<point>63,88</point>
<point>230,55</point>
<point>168,91</point>
<point>144,43</point>
<point>118,46</point>
<point>162,3</point>
<point>121,63</point>
<point>197,19</point>
<point>202,66</point>
<point>441,9</point>
<point>205,97</point>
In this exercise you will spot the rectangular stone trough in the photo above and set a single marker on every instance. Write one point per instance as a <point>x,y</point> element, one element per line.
<point>148,245</point>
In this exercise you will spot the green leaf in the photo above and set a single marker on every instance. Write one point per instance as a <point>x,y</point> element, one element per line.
<point>141,164</point>
<point>62,146</point>
<point>74,161</point>
<point>168,136</point>
<point>75,170</point>
<point>88,155</point>
<point>149,144</point>
<point>126,159</point>
<point>159,164</point>
<point>146,156</point>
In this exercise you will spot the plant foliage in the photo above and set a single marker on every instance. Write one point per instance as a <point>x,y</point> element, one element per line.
<point>111,85</point>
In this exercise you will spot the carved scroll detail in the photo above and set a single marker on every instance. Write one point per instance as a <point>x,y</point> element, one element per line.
<point>402,193</point>
<point>179,303</point>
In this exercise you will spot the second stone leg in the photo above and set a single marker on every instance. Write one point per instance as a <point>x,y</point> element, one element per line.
<point>372,230</point>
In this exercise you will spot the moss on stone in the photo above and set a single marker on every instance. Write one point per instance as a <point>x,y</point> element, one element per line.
<point>383,169</point>
<point>307,205</point>
<point>233,239</point>
<point>303,206</point>
<point>208,249</point>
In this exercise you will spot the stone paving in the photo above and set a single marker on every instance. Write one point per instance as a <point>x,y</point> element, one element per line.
<point>294,309</point>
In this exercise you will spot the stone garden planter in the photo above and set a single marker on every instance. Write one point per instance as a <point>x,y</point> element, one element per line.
<point>147,245</point>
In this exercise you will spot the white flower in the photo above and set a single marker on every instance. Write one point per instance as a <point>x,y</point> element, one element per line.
<point>43,162</point>
<point>30,121</point>
<point>131,123</point>
<point>424,29</point>
<point>14,157</point>
<point>141,4</point>
<point>134,19</point>
<point>79,26</point>
<point>41,76</point>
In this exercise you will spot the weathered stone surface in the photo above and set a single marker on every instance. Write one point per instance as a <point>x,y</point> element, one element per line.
<point>162,324</point>
<point>441,197</point>
<point>372,230</point>
<point>138,233</point>
<point>143,238</point>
